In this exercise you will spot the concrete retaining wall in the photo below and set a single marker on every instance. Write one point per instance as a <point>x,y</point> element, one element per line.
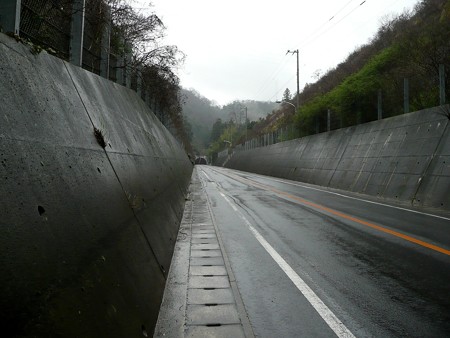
<point>86,233</point>
<point>404,158</point>
<point>222,158</point>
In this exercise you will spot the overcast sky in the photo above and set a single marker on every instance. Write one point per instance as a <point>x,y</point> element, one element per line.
<point>236,49</point>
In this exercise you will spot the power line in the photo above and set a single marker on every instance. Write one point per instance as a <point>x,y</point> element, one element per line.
<point>281,88</point>
<point>273,76</point>
<point>316,34</point>
<point>313,38</point>
<point>345,6</point>
<point>326,22</point>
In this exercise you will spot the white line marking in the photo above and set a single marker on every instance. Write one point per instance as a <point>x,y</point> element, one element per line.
<point>362,200</point>
<point>327,315</point>
<point>206,175</point>
<point>350,197</point>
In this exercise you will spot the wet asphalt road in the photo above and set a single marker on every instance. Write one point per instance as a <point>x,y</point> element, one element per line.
<point>380,271</point>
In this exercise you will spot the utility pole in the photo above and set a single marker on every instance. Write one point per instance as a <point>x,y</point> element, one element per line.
<point>245,122</point>
<point>298,75</point>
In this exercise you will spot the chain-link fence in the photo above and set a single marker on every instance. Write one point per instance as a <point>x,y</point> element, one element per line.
<point>403,92</point>
<point>102,49</point>
<point>47,23</point>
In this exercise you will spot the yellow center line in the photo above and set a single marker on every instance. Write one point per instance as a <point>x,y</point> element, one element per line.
<point>345,216</point>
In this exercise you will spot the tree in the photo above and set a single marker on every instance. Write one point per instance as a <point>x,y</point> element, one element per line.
<point>287,95</point>
<point>142,36</point>
<point>217,130</point>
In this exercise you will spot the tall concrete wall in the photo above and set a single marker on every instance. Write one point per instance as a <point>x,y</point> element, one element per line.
<point>86,233</point>
<point>404,158</point>
<point>222,158</point>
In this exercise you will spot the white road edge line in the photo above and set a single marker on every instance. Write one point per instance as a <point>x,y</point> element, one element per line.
<point>354,198</point>
<point>206,175</point>
<point>328,316</point>
<point>363,200</point>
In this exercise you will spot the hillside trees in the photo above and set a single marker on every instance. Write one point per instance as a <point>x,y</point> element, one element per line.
<point>287,95</point>
<point>407,51</point>
<point>217,130</point>
<point>142,35</point>
<point>203,113</point>
<point>411,46</point>
<point>425,47</point>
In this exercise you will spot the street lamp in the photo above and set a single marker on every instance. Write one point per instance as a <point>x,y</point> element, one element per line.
<point>295,108</point>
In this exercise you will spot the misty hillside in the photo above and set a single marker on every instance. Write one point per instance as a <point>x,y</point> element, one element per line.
<point>201,113</point>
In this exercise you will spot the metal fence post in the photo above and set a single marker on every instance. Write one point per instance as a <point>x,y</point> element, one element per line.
<point>405,96</point>
<point>120,65</point>
<point>127,72</point>
<point>380,103</point>
<point>10,16</point>
<point>106,45</point>
<point>147,99</point>
<point>328,120</point>
<point>139,80</point>
<point>119,70</point>
<point>441,84</point>
<point>77,33</point>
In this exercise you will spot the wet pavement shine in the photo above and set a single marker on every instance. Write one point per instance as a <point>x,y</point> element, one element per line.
<point>265,257</point>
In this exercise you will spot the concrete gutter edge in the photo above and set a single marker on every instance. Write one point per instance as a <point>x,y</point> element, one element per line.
<point>177,312</point>
<point>171,318</point>
<point>247,327</point>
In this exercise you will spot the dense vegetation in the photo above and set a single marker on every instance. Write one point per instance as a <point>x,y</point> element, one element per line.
<point>143,36</point>
<point>410,46</point>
